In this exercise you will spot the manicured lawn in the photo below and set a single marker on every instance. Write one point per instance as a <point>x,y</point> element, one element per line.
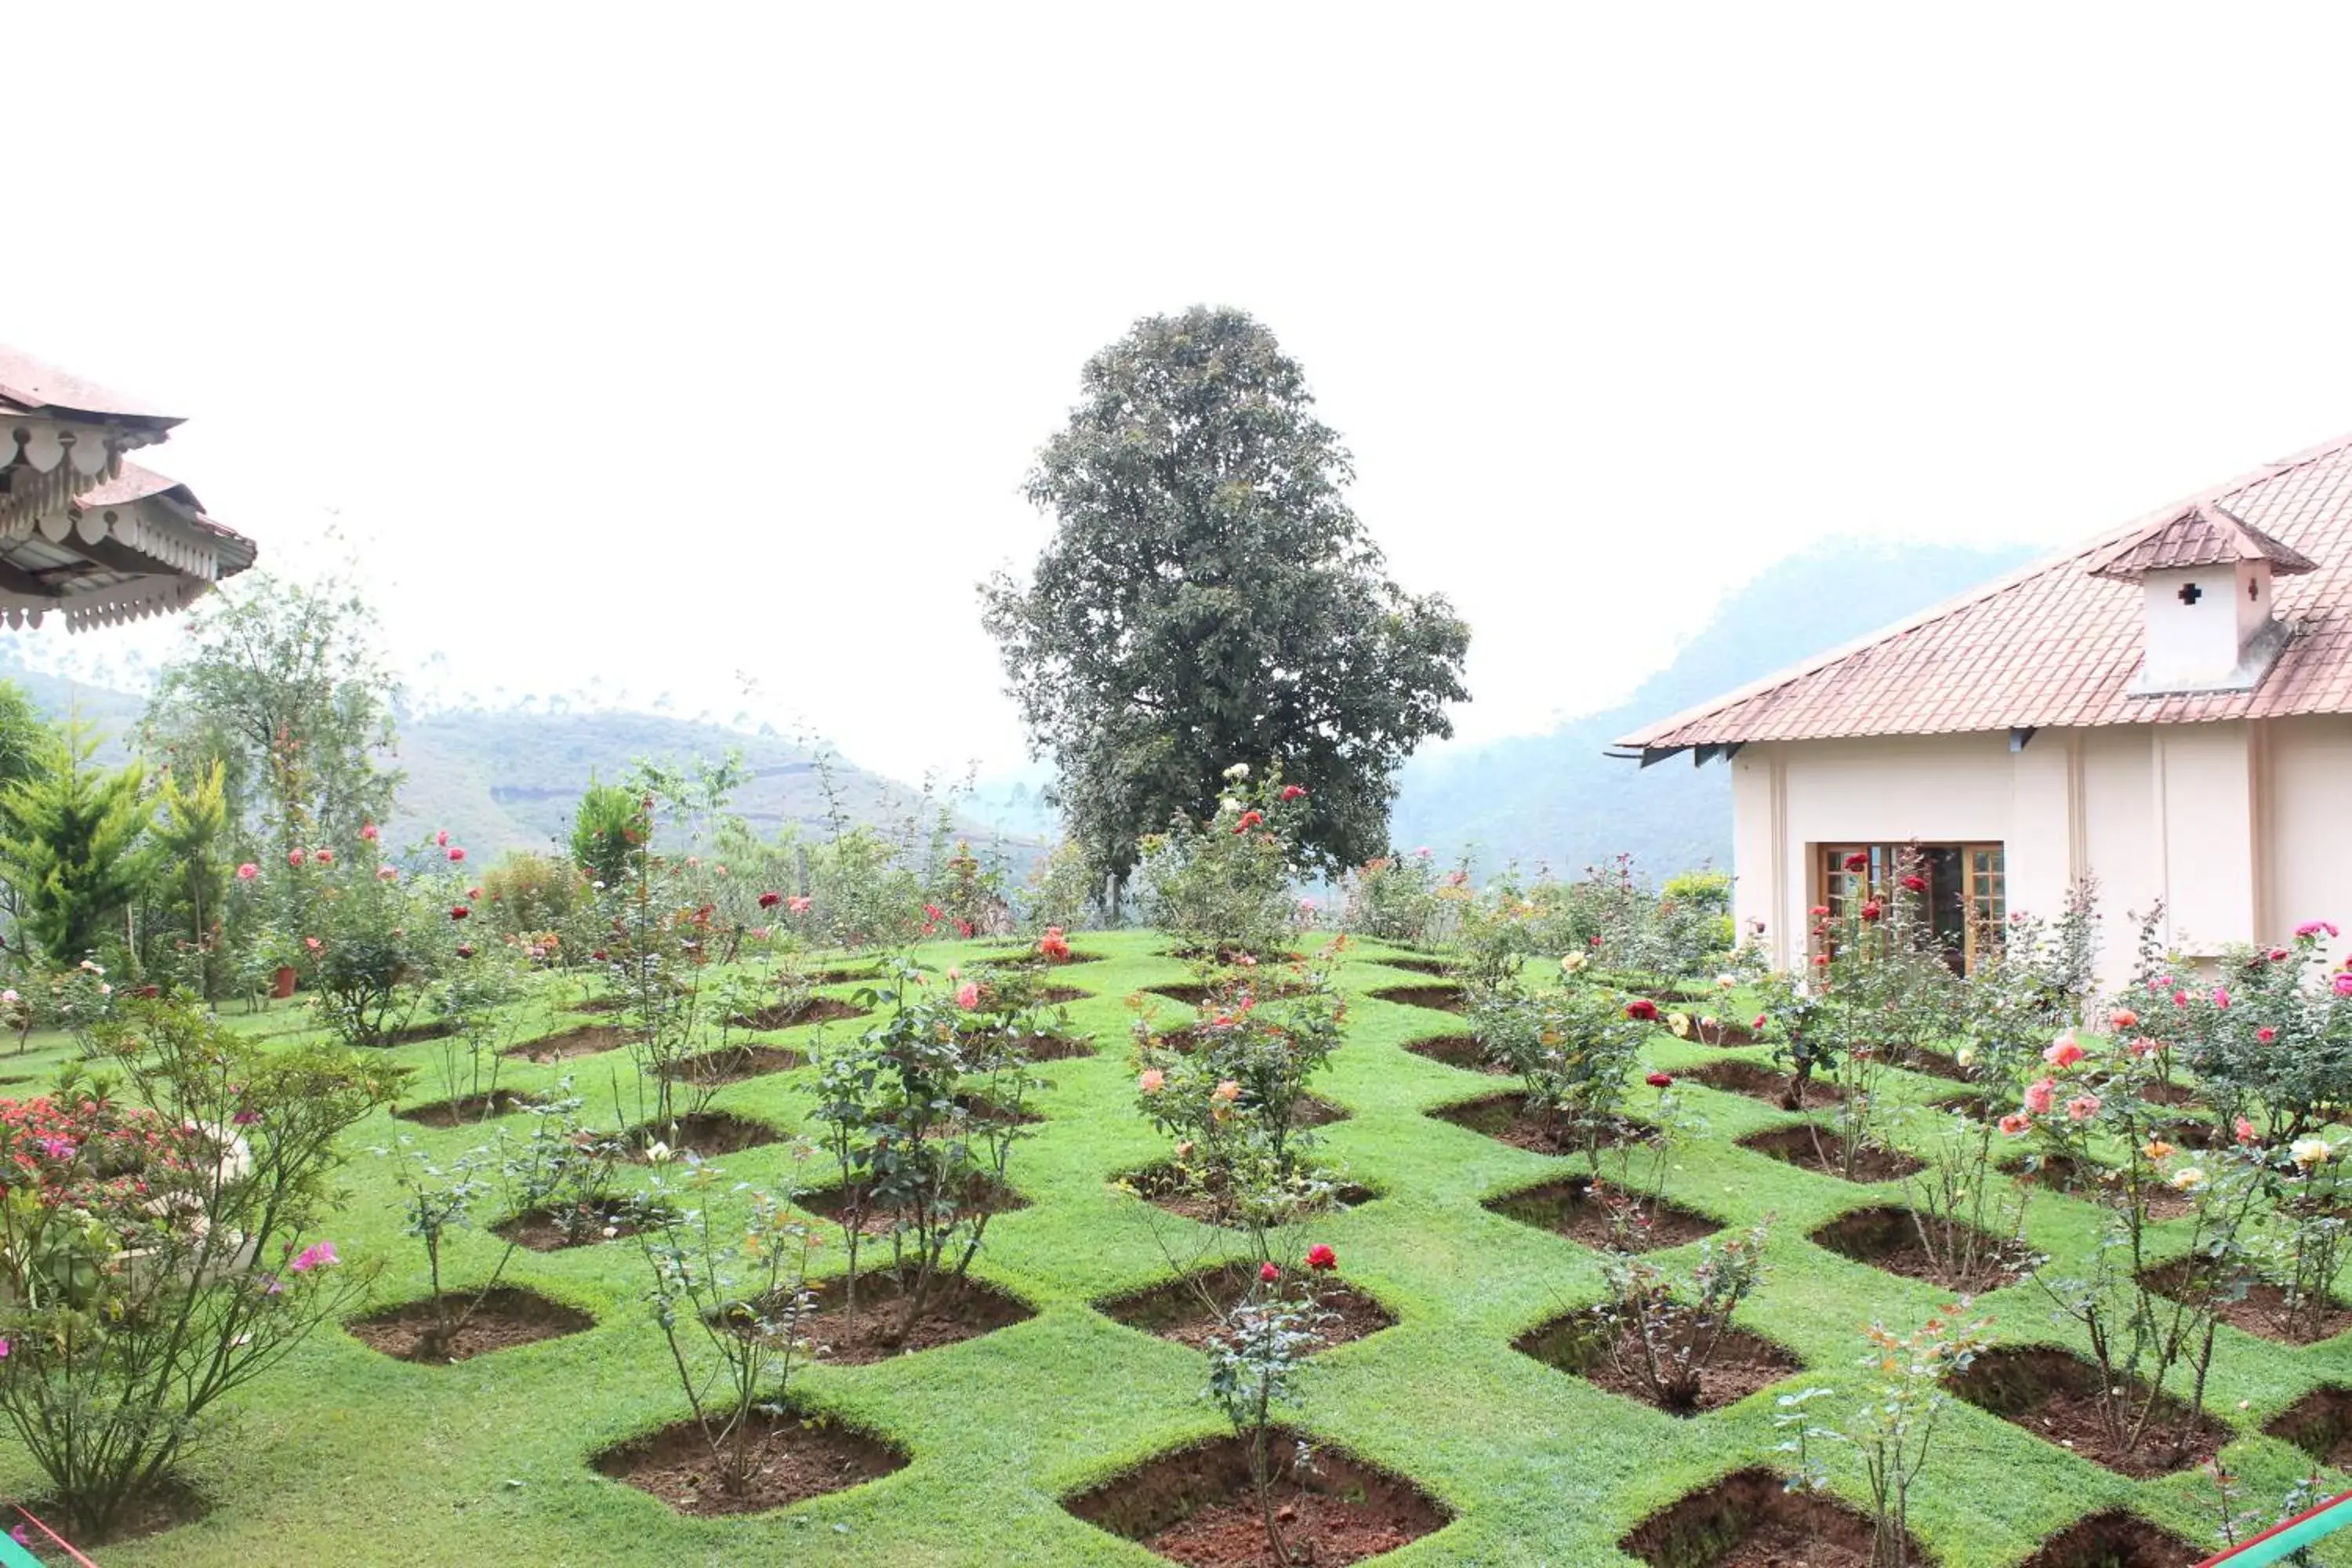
<point>344,1455</point>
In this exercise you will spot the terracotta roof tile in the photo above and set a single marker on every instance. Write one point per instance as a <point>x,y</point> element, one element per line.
<point>2053,645</point>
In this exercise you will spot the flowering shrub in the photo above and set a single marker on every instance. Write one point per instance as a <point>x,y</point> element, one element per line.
<point>734,1296</point>
<point>1394,898</point>
<point>153,1260</point>
<point>924,1111</point>
<point>376,938</point>
<point>1573,1049</point>
<point>1256,1357</point>
<point>1222,886</point>
<point>1234,1094</point>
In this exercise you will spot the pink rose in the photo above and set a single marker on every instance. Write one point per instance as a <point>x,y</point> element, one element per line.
<point>2082,1108</point>
<point>2065,1053</point>
<point>2041,1096</point>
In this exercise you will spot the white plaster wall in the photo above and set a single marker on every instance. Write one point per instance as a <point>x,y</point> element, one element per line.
<point>2306,828</point>
<point>2190,645</point>
<point>2243,830</point>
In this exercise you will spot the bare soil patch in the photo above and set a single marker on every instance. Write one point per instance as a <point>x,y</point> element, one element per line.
<point>2054,1394</point>
<point>1506,1118</point>
<point>1197,1507</point>
<point>2262,1310</point>
<point>587,1040</point>
<point>796,1459</point>
<point>1442,998</point>
<point>1033,959</point>
<point>833,1204</point>
<point>2320,1424</point>
<point>2116,1538</point>
<point>165,1506</point>
<point>1054,1048</point>
<point>707,1134</point>
<point>1888,1238</point>
<point>792,1015</point>
<point>1730,1037</point>
<point>2168,1093</point>
<point>735,1063</point>
<point>1758,1081</point>
<point>1814,1148</point>
<point>417,1034</point>
<point>509,1316</point>
<point>467,1110</point>
<point>1433,967</point>
<point>1592,1344</point>
<point>1458,1051</point>
<point>1163,1187</point>
<point>1574,1207</point>
<point>879,1329</point>
<point>553,1227</point>
<point>1934,1064</point>
<point>1751,1520</point>
<point>1188,1311</point>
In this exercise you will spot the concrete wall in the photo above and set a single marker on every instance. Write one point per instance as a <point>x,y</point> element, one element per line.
<point>2243,829</point>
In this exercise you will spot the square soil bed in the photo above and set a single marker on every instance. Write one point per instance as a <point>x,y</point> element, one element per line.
<point>1440,998</point>
<point>1188,1311</point>
<point>1751,1520</point>
<point>2262,1310</point>
<point>1506,1118</point>
<point>2116,1538</point>
<point>2053,1395</point>
<point>2320,1424</point>
<point>880,1330</point>
<point>735,1064</point>
<point>1817,1149</point>
<point>1435,967</point>
<point>833,1204</point>
<point>1592,1344</point>
<point>469,1110</point>
<point>1052,1048</point>
<point>554,1227</point>
<point>1197,1506</point>
<point>587,1040</point>
<point>1963,1257</point>
<point>1029,958</point>
<point>1160,1186</point>
<point>1574,1207</point>
<point>792,1015</point>
<point>1758,1081</point>
<point>705,1134</point>
<point>795,1457</point>
<point>1728,1036</point>
<point>1462,1051</point>
<point>509,1316</point>
<point>1932,1064</point>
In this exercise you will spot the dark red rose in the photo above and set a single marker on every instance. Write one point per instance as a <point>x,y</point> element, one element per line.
<point>769,901</point>
<point>1857,861</point>
<point>1321,1258</point>
<point>1915,884</point>
<point>1642,1010</point>
<point>1268,1272</point>
<point>458,912</point>
<point>1660,1081</point>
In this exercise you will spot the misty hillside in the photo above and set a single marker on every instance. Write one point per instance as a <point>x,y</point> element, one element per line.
<point>508,780</point>
<point>1556,798</point>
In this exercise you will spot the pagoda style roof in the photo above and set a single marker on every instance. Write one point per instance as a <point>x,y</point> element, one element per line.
<point>83,531</point>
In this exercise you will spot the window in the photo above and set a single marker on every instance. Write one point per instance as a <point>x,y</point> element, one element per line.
<point>1966,896</point>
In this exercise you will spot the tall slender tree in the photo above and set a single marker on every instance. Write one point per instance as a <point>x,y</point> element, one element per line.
<point>1209,597</point>
<point>73,846</point>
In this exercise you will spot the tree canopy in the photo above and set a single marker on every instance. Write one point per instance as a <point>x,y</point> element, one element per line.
<point>282,684</point>
<point>1209,597</point>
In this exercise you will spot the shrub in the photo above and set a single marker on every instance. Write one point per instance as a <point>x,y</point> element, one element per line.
<point>610,824</point>
<point>1573,1049</point>
<point>1393,899</point>
<point>734,1295</point>
<point>156,1258</point>
<point>1667,1338</point>
<point>1222,886</point>
<point>526,894</point>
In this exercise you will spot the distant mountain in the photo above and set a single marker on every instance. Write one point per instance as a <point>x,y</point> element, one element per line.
<point>1557,799</point>
<point>509,780</point>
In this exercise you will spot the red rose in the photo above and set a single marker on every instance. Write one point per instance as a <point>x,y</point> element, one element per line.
<point>1268,1272</point>
<point>1641,1009</point>
<point>769,901</point>
<point>1660,1081</point>
<point>465,949</point>
<point>1758,1024</point>
<point>1870,910</point>
<point>455,854</point>
<point>1295,792</point>
<point>1915,884</point>
<point>458,912</point>
<point>1857,861</point>
<point>1320,1258</point>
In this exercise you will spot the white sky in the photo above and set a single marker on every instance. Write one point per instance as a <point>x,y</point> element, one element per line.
<point>642,350</point>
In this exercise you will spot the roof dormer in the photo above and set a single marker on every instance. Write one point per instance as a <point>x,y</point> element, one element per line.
<point>2205,580</point>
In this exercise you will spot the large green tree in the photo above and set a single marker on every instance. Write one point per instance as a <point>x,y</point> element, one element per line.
<point>73,846</point>
<point>1209,597</point>
<point>282,684</point>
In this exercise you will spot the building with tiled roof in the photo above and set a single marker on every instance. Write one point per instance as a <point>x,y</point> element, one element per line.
<point>2167,709</point>
<point>83,531</point>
